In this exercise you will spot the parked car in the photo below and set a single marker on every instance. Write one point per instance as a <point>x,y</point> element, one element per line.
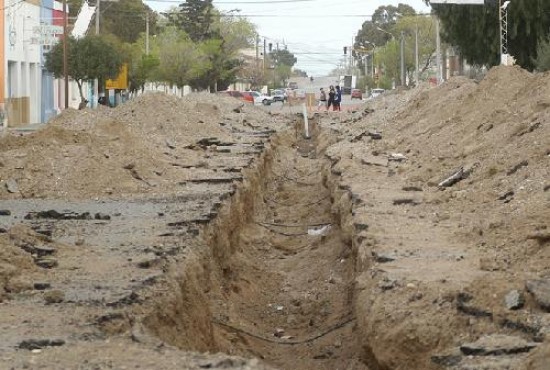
<point>292,85</point>
<point>376,92</point>
<point>258,98</point>
<point>356,94</point>
<point>279,95</point>
<point>237,94</point>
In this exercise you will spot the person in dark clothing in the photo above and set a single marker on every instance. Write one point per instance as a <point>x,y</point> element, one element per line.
<point>331,95</point>
<point>337,98</point>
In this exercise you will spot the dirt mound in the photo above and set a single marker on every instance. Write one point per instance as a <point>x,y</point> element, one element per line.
<point>494,137</point>
<point>16,263</point>
<point>127,150</point>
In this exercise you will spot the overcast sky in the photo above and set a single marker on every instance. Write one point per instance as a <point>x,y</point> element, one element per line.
<point>314,30</point>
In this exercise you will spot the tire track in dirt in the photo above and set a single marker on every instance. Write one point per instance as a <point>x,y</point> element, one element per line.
<point>289,287</point>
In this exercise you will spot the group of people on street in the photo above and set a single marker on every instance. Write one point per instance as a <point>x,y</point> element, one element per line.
<point>334,98</point>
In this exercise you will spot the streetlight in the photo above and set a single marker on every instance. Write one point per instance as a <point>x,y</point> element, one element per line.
<point>362,44</point>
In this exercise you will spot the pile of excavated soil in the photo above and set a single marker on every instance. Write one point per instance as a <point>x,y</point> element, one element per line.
<point>489,230</point>
<point>20,248</point>
<point>127,150</point>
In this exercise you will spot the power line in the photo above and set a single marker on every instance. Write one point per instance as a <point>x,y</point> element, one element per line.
<point>238,2</point>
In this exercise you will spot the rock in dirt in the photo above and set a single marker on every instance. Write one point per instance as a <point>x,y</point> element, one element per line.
<point>514,169</point>
<point>5,212</point>
<point>497,345</point>
<point>53,214</point>
<point>375,135</point>
<point>147,261</point>
<point>387,284</point>
<point>12,186</point>
<point>540,237</point>
<point>375,161</point>
<point>42,286</point>
<point>38,250</point>
<point>453,179</point>
<point>382,257</point>
<point>46,262</point>
<point>448,359</point>
<point>31,344</point>
<point>102,216</point>
<point>540,289</point>
<point>408,201</point>
<point>397,157</point>
<point>464,305</point>
<point>54,296</point>
<point>514,300</point>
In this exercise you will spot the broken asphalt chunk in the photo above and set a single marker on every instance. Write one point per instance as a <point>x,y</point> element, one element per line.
<point>497,345</point>
<point>31,344</point>
<point>514,300</point>
<point>12,186</point>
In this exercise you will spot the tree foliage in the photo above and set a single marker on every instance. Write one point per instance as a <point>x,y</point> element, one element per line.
<point>180,60</point>
<point>196,18</point>
<point>542,61</point>
<point>378,42</point>
<point>475,30</point>
<point>283,56</point>
<point>126,19</point>
<point>377,30</point>
<point>89,58</point>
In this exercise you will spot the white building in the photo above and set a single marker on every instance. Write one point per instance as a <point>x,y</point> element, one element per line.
<point>22,62</point>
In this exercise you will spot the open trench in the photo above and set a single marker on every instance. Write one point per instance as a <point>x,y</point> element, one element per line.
<point>276,278</point>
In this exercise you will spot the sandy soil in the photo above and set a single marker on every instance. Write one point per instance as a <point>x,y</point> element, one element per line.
<point>198,225</point>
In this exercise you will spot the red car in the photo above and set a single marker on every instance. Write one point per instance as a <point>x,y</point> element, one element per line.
<point>247,96</point>
<point>238,95</point>
<point>356,94</point>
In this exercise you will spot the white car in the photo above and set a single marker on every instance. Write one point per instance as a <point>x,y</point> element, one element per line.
<point>261,98</point>
<point>376,92</point>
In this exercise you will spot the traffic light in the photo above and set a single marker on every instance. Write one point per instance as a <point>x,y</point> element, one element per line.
<point>345,50</point>
<point>270,47</point>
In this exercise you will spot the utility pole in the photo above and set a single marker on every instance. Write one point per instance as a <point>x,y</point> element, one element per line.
<point>403,58</point>
<point>257,51</point>
<point>97,9</point>
<point>65,54</point>
<point>265,55</point>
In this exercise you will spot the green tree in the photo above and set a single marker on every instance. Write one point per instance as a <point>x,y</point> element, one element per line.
<point>283,56</point>
<point>474,29</point>
<point>542,61</point>
<point>180,59</point>
<point>196,18</point>
<point>377,30</point>
<point>126,19</point>
<point>89,58</point>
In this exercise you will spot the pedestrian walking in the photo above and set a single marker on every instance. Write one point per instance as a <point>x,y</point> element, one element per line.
<point>331,95</point>
<point>322,99</point>
<point>337,99</point>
